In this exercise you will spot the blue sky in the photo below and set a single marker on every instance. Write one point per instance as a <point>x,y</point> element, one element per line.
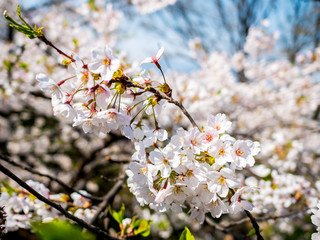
<point>140,41</point>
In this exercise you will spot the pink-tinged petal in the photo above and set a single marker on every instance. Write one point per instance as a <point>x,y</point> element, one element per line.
<point>147,60</point>
<point>159,53</point>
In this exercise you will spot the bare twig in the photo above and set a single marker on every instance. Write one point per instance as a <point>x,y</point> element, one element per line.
<point>56,206</point>
<point>113,191</point>
<point>61,183</point>
<point>217,226</point>
<point>254,224</point>
<point>80,171</point>
<point>225,228</point>
<point>47,42</point>
<point>112,179</point>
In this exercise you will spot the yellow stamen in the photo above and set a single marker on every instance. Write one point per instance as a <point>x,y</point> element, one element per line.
<point>189,173</point>
<point>239,152</point>
<point>222,151</point>
<point>106,61</point>
<point>222,180</point>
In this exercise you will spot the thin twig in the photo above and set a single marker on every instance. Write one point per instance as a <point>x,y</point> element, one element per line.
<point>224,228</point>
<point>111,179</point>
<point>161,95</point>
<point>253,221</point>
<point>255,225</point>
<point>56,206</point>
<point>46,41</point>
<point>68,188</point>
<point>217,226</point>
<point>103,205</point>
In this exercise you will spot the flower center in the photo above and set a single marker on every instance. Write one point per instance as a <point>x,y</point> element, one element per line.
<point>222,151</point>
<point>112,115</point>
<point>209,137</point>
<point>85,77</point>
<point>239,152</point>
<point>189,173</point>
<point>106,61</point>
<point>222,180</point>
<point>144,170</point>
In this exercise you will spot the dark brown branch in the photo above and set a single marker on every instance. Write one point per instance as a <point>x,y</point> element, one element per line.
<point>255,225</point>
<point>316,113</point>
<point>56,206</point>
<point>68,188</point>
<point>253,221</point>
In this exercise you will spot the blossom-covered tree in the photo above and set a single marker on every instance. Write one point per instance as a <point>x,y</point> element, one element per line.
<point>195,149</point>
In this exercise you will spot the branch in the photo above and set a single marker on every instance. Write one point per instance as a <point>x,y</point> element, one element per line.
<point>113,191</point>
<point>56,206</point>
<point>31,32</point>
<point>29,169</point>
<point>254,224</point>
<point>47,42</point>
<point>80,171</point>
<point>161,95</point>
<point>224,228</point>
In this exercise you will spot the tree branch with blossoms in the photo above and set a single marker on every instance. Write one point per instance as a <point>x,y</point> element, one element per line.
<point>64,185</point>
<point>56,206</point>
<point>196,167</point>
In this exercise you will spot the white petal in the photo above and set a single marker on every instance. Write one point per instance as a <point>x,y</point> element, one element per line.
<point>159,53</point>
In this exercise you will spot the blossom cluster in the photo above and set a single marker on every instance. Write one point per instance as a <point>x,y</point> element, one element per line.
<point>316,221</point>
<point>193,161</point>
<point>259,41</point>
<point>22,207</point>
<point>196,168</point>
<point>280,193</point>
<point>276,106</point>
<point>97,94</point>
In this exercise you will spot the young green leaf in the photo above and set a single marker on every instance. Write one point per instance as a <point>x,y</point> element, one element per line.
<point>60,230</point>
<point>186,235</point>
<point>143,227</point>
<point>118,216</point>
<point>24,28</point>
